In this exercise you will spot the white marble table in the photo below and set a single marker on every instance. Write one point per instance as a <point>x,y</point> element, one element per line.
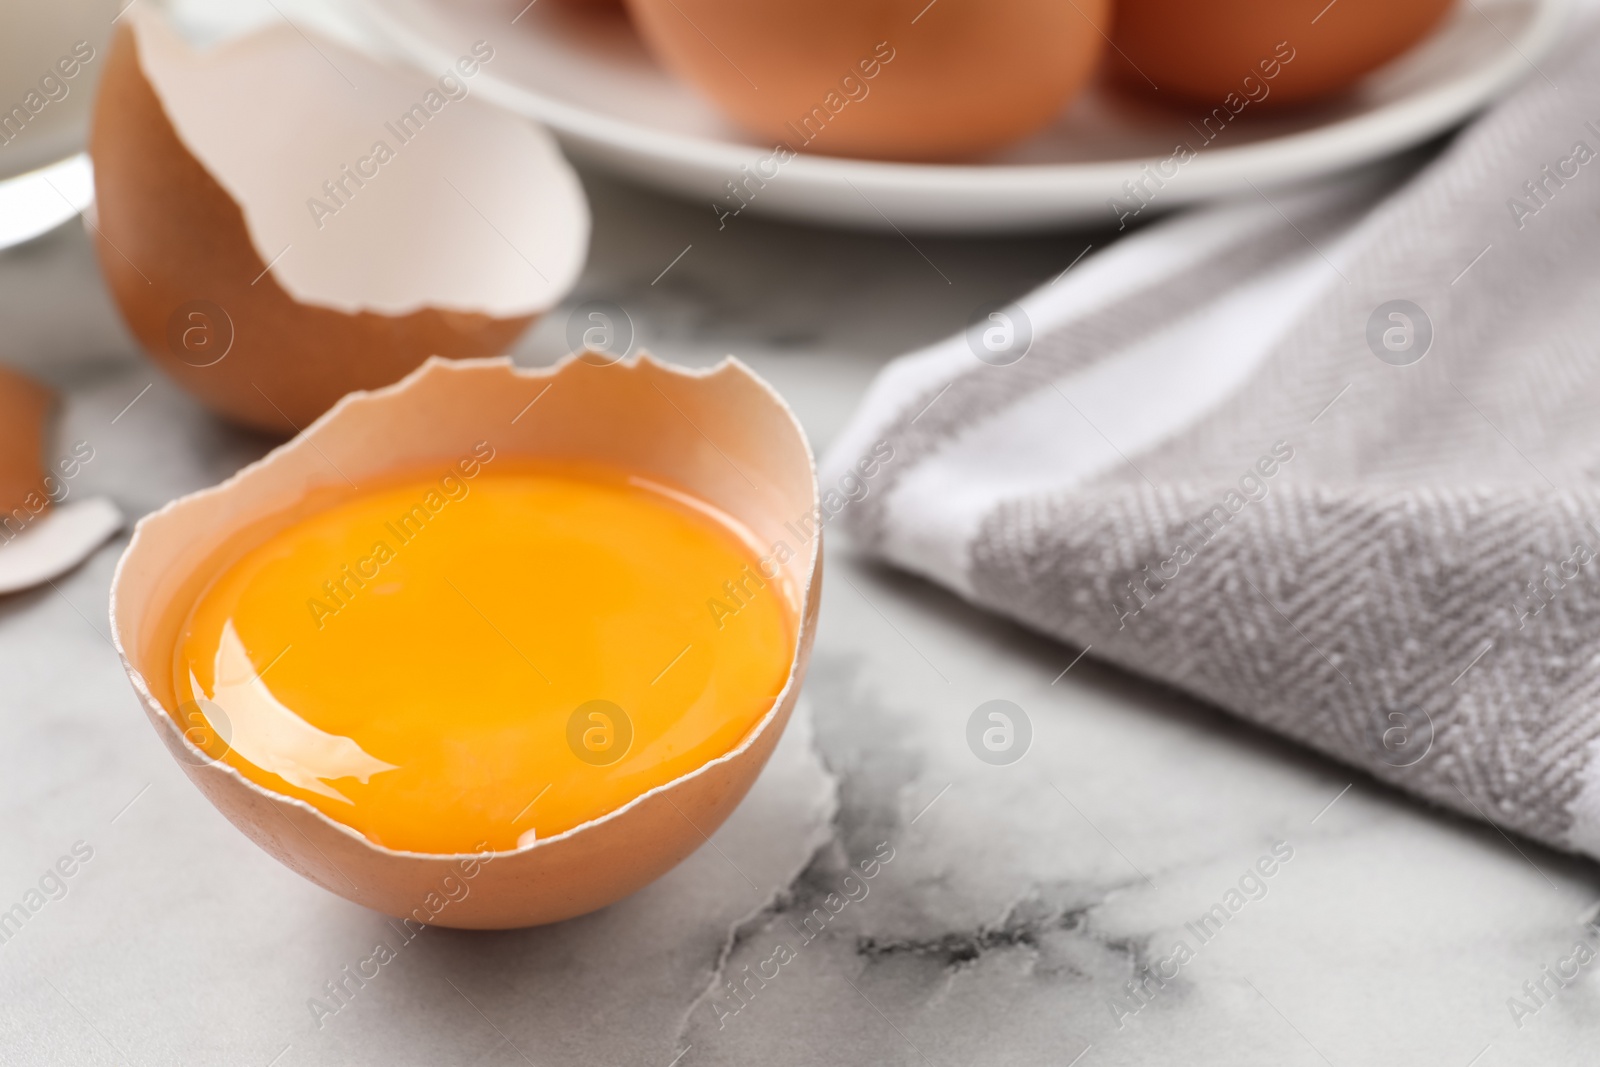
<point>1019,902</point>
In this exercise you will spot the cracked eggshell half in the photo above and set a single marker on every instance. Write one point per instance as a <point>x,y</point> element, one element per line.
<point>282,221</point>
<point>722,434</point>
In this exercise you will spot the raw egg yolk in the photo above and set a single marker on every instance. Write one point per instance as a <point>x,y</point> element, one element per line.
<point>449,663</point>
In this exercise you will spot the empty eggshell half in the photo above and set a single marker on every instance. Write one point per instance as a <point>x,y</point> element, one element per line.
<point>721,434</point>
<point>282,220</point>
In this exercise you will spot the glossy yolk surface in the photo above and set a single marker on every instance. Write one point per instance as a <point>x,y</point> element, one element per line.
<point>423,662</point>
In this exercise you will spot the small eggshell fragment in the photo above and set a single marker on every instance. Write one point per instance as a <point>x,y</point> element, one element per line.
<point>25,407</point>
<point>1272,52</point>
<point>43,534</point>
<point>55,542</point>
<point>721,434</point>
<point>282,220</point>
<point>896,79</point>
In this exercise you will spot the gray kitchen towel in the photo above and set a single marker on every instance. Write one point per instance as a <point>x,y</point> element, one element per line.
<point>1329,465</point>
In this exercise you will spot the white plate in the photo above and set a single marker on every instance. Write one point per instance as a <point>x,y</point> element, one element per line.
<point>39,201</point>
<point>590,80</point>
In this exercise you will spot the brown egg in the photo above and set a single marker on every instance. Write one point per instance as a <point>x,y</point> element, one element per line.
<point>889,79</point>
<point>722,434</point>
<point>283,221</point>
<point>1290,51</point>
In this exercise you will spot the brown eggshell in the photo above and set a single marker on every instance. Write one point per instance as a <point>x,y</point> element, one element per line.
<point>236,323</point>
<point>25,408</point>
<point>1203,52</point>
<point>722,434</point>
<point>964,77</point>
